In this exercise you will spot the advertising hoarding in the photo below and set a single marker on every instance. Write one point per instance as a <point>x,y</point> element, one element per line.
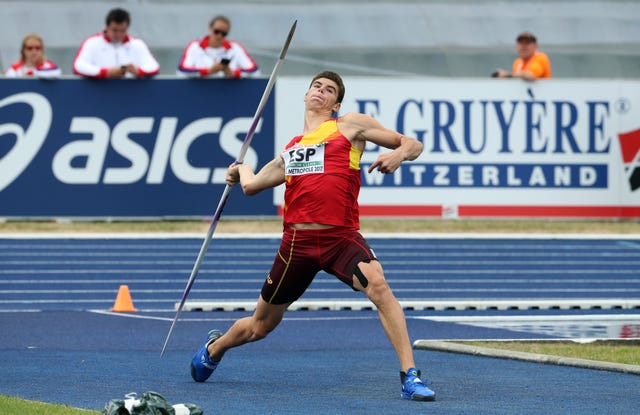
<point>127,148</point>
<point>495,148</point>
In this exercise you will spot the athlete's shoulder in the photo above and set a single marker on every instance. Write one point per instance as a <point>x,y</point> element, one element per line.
<point>353,117</point>
<point>356,120</point>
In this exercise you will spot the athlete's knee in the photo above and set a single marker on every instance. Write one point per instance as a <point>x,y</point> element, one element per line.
<point>371,278</point>
<point>265,319</point>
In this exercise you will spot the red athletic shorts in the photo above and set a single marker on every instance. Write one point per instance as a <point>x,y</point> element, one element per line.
<point>304,252</point>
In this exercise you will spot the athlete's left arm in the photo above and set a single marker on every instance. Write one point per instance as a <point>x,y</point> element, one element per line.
<point>364,128</point>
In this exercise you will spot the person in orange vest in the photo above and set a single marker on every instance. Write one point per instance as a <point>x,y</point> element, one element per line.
<point>531,64</point>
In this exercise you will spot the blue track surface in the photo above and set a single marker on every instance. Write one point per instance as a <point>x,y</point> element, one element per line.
<point>85,274</point>
<point>59,344</point>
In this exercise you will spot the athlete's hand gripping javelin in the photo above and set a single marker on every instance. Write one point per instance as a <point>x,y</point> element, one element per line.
<point>271,175</point>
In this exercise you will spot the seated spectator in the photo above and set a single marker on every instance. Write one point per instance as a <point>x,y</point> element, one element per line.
<point>114,53</point>
<point>33,61</point>
<point>530,64</point>
<point>214,55</point>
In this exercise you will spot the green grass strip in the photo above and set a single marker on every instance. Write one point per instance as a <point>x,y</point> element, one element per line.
<point>614,351</point>
<point>16,406</point>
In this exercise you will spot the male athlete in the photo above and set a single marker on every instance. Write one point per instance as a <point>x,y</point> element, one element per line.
<point>321,169</point>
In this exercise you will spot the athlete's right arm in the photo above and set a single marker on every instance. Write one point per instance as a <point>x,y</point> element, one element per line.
<point>271,175</point>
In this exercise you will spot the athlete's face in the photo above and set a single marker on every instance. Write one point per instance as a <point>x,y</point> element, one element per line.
<point>323,94</point>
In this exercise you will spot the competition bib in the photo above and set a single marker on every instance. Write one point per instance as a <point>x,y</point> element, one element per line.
<point>299,159</point>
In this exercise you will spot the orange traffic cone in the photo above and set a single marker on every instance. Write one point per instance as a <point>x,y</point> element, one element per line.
<point>123,303</point>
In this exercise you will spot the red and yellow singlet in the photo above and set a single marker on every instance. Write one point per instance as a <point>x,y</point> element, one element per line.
<point>322,172</point>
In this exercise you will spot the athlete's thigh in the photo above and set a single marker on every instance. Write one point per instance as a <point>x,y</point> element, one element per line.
<point>345,255</point>
<point>293,269</point>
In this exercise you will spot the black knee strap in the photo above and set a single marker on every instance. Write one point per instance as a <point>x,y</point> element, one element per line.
<point>363,280</point>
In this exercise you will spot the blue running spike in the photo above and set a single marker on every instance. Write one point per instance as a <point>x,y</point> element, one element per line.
<point>201,365</point>
<point>414,388</point>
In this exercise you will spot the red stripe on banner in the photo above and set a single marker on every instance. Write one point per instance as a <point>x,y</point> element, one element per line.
<point>469,211</point>
<point>550,211</point>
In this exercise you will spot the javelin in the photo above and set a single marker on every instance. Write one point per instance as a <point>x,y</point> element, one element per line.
<point>227,189</point>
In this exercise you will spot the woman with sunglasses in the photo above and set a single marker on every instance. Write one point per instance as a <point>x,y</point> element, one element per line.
<point>33,61</point>
<point>215,55</point>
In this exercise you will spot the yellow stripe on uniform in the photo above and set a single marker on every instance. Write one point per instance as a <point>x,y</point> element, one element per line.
<point>328,131</point>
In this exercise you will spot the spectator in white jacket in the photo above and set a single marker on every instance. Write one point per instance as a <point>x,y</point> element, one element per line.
<point>215,55</point>
<point>114,53</point>
<point>33,62</point>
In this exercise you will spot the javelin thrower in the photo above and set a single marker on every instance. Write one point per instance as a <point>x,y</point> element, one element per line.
<point>321,172</point>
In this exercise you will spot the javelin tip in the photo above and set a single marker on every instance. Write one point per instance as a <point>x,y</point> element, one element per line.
<point>289,37</point>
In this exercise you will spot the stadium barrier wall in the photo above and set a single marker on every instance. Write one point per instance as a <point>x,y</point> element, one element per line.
<point>159,148</point>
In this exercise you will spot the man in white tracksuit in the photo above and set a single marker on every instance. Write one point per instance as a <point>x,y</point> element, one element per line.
<point>114,53</point>
<point>216,56</point>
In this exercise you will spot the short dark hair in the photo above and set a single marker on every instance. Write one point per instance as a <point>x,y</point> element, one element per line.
<point>118,16</point>
<point>527,37</point>
<point>222,19</point>
<point>333,77</point>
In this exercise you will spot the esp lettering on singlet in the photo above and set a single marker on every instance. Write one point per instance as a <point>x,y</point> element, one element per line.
<point>300,159</point>
<point>322,178</point>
